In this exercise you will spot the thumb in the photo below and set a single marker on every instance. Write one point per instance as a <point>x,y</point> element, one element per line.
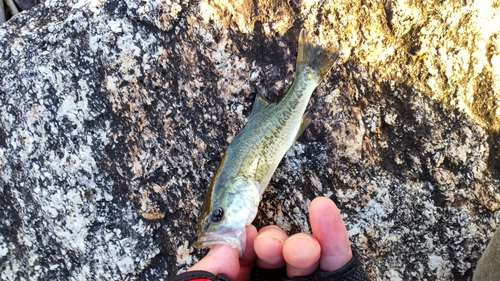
<point>224,259</point>
<point>220,259</point>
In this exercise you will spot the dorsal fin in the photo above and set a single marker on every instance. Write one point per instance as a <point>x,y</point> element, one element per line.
<point>259,103</point>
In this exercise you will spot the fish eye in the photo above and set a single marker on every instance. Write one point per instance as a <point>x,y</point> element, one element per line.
<point>217,215</point>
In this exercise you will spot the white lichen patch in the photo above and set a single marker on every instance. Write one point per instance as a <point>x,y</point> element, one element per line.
<point>184,254</point>
<point>4,249</point>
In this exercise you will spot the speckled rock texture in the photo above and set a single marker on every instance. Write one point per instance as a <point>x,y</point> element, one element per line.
<point>114,116</point>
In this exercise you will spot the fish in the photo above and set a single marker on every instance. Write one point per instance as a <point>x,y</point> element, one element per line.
<point>253,155</point>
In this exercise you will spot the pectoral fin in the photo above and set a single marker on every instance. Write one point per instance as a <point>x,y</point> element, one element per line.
<point>250,169</point>
<point>306,120</point>
<point>259,103</point>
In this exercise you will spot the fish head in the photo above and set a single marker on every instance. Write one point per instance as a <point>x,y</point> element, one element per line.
<point>223,216</point>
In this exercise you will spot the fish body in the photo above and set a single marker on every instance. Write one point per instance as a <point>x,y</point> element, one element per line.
<point>255,152</point>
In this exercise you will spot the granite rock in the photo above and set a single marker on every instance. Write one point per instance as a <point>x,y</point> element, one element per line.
<point>115,114</point>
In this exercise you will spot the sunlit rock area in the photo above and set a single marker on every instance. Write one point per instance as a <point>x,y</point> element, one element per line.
<point>115,114</point>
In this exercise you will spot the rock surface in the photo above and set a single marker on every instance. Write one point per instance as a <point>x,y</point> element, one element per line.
<point>115,114</point>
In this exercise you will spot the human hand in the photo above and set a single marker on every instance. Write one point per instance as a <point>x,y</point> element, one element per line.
<point>329,249</point>
<point>224,259</point>
<point>302,253</point>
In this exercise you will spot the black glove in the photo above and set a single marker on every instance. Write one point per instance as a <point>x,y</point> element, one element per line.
<point>352,271</point>
<point>200,275</point>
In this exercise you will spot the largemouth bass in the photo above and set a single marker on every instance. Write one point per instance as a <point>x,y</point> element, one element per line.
<point>256,151</point>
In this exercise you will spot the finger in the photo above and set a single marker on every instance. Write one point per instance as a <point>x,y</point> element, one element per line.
<point>268,246</point>
<point>248,258</point>
<point>220,259</point>
<point>329,229</point>
<point>301,252</point>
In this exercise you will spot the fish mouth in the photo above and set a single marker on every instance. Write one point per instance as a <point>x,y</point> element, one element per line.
<point>235,240</point>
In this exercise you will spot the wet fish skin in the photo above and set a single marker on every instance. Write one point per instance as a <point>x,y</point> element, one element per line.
<point>254,154</point>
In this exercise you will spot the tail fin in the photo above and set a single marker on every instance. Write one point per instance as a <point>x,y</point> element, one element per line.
<point>312,56</point>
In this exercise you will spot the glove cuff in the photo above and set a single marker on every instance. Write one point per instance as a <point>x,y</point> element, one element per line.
<point>351,271</point>
<point>200,275</point>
